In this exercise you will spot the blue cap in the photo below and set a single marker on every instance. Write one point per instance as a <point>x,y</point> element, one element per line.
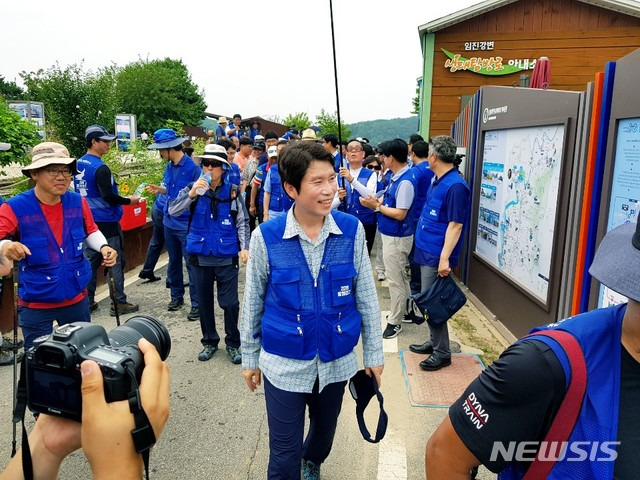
<point>166,138</point>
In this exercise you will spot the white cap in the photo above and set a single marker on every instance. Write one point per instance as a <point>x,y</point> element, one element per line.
<point>272,152</point>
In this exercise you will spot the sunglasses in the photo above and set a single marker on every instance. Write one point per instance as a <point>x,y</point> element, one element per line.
<point>374,167</point>
<point>210,163</point>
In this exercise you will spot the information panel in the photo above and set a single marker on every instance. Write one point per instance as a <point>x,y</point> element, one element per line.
<point>625,189</point>
<point>518,203</point>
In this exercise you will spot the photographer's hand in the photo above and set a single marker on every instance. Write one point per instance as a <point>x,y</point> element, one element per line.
<point>50,441</point>
<point>106,427</point>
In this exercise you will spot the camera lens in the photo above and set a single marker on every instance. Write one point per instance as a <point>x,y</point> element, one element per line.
<point>142,326</point>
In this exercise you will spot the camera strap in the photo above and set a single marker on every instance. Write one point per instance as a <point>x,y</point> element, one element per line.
<point>18,417</point>
<point>143,436</point>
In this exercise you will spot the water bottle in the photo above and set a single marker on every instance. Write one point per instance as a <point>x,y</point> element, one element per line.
<point>202,190</point>
<point>140,189</point>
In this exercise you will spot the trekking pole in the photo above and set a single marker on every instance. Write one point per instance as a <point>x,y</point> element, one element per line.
<point>15,355</point>
<point>112,293</point>
<point>335,76</point>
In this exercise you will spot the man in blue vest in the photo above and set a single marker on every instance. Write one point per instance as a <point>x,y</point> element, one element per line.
<point>95,182</point>
<point>438,238</point>
<point>180,172</point>
<point>221,129</point>
<point>359,183</point>
<point>51,224</point>
<point>218,235</point>
<point>276,202</point>
<point>505,415</point>
<point>418,153</point>
<point>394,224</point>
<point>309,296</point>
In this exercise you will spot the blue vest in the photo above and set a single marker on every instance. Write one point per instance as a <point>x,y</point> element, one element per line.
<point>85,184</point>
<point>176,177</point>
<point>304,317</point>
<point>220,133</point>
<point>232,175</point>
<point>354,207</point>
<point>280,201</point>
<point>213,231</point>
<point>598,333</point>
<point>424,176</point>
<point>388,225</point>
<point>51,274</point>
<point>260,196</point>
<point>433,222</point>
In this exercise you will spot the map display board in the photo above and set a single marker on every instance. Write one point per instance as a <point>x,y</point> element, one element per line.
<point>518,203</point>
<point>625,189</point>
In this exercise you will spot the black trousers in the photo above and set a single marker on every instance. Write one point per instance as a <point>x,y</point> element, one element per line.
<point>370,235</point>
<point>285,415</point>
<point>226,278</point>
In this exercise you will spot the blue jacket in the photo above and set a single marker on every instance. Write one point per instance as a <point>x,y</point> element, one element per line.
<point>304,317</point>
<point>279,201</point>
<point>213,231</point>
<point>176,177</point>
<point>433,223</point>
<point>354,207</point>
<point>52,273</point>
<point>598,333</point>
<point>424,176</point>
<point>388,225</point>
<point>85,184</point>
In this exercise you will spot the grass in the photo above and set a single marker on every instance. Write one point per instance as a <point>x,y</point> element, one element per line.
<point>469,335</point>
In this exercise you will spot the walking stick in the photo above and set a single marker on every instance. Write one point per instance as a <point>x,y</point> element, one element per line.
<point>15,354</point>
<point>335,76</point>
<point>112,293</point>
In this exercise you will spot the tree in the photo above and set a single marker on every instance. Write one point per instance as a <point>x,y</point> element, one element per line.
<point>328,123</point>
<point>299,119</point>
<point>157,91</point>
<point>22,135</point>
<point>73,100</point>
<point>10,90</point>
<point>416,102</point>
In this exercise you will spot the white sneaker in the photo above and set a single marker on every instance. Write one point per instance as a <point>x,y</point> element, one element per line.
<point>381,276</point>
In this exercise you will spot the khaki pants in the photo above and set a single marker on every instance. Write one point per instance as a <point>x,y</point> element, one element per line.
<point>395,251</point>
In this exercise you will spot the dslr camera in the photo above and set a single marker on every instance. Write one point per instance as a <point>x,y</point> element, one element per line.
<point>53,363</point>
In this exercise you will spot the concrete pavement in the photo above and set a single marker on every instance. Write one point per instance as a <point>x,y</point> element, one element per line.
<point>218,429</point>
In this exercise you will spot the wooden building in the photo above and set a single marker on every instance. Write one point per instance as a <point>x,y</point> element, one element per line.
<point>497,42</point>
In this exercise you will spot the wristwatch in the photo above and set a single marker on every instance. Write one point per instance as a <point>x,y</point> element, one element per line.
<point>377,209</point>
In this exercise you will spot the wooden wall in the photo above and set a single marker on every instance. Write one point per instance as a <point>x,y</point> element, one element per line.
<point>577,38</point>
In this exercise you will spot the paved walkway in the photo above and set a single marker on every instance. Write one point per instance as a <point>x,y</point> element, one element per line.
<point>218,429</point>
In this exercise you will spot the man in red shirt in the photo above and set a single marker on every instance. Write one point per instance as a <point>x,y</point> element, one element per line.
<point>51,224</point>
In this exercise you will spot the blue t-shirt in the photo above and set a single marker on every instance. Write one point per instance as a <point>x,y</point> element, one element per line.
<point>456,209</point>
<point>176,177</point>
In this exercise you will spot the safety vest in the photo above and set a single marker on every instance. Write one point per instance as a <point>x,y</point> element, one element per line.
<point>52,273</point>
<point>598,333</point>
<point>424,176</point>
<point>85,184</point>
<point>389,226</point>
<point>433,223</point>
<point>213,231</point>
<point>304,317</point>
<point>354,207</point>
<point>280,201</point>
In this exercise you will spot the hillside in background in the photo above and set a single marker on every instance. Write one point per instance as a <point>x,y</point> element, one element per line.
<point>378,131</point>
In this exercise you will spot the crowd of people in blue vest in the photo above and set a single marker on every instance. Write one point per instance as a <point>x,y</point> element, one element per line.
<point>301,211</point>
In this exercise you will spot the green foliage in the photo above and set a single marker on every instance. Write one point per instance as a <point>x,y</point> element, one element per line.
<point>416,102</point>
<point>299,119</point>
<point>135,166</point>
<point>10,90</point>
<point>22,135</point>
<point>378,131</point>
<point>175,125</point>
<point>198,146</point>
<point>73,100</point>
<point>157,91</point>
<point>328,123</point>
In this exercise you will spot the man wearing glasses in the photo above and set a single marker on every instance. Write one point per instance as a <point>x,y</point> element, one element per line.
<point>96,184</point>
<point>52,224</point>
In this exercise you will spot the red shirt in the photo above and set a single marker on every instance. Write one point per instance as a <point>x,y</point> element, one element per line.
<point>55,219</point>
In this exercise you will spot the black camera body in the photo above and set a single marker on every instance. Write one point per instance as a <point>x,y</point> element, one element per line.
<point>53,364</point>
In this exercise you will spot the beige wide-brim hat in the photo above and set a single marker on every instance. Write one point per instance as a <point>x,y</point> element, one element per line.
<point>309,135</point>
<point>49,153</point>
<point>214,152</point>
<point>223,120</point>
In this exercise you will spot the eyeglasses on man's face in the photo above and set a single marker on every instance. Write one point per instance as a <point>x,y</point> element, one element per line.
<point>54,172</point>
<point>354,149</point>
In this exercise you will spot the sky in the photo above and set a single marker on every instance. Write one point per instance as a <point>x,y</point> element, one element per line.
<point>253,57</point>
